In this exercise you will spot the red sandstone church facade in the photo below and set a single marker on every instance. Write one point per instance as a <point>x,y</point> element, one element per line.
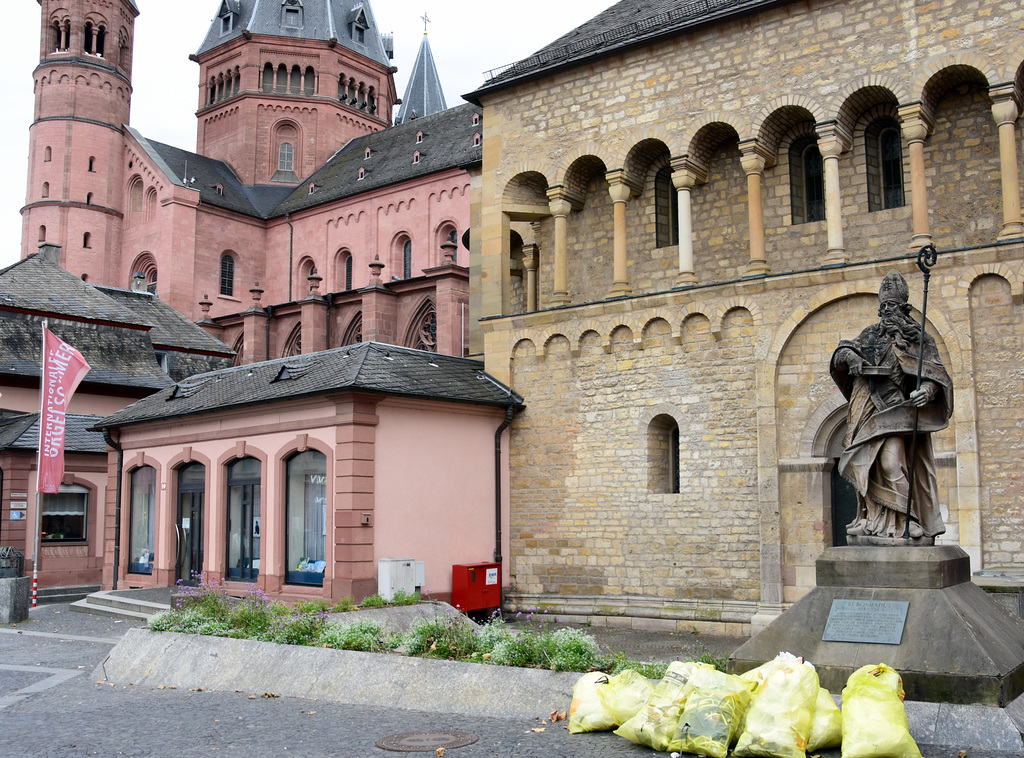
<point>305,220</point>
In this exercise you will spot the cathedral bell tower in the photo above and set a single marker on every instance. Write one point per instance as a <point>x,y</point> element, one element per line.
<point>82,102</point>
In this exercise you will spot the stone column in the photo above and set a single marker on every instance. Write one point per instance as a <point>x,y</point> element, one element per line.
<point>1005,110</point>
<point>621,188</point>
<point>685,175</point>
<point>754,157</point>
<point>560,203</point>
<point>833,141</point>
<point>916,125</point>
<point>530,255</point>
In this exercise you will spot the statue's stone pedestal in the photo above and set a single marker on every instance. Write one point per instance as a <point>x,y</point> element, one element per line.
<point>958,645</point>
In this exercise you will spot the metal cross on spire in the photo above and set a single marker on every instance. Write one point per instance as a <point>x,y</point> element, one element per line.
<point>426,20</point>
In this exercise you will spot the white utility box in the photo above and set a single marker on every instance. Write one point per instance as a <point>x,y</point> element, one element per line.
<point>394,574</point>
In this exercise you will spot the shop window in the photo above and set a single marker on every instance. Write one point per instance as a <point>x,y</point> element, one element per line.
<point>883,145</point>
<point>64,515</point>
<point>663,455</point>
<point>306,518</point>
<point>244,520</point>
<point>806,181</point>
<point>666,208</point>
<point>142,521</point>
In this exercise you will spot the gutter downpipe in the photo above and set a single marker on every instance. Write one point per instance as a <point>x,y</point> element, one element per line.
<point>330,304</point>
<point>509,410</point>
<point>270,315</point>
<point>291,240</point>
<point>117,503</point>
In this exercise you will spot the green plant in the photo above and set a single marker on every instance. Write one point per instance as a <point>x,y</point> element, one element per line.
<point>405,598</point>
<point>521,650</point>
<point>373,601</point>
<point>344,605</point>
<point>618,662</point>
<point>298,629</point>
<point>491,633</point>
<point>707,656</point>
<point>443,637</point>
<point>570,649</point>
<point>312,606</point>
<point>364,635</point>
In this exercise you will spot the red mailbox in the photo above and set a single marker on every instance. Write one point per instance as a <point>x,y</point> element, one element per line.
<point>476,586</point>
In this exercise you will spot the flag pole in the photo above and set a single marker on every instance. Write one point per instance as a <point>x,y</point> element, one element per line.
<point>39,465</point>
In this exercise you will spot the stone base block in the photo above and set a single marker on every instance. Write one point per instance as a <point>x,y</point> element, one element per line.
<point>15,595</point>
<point>958,645</point>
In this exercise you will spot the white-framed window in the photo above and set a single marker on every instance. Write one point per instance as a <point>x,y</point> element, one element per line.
<point>65,514</point>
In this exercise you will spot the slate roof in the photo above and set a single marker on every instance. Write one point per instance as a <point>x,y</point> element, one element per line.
<point>368,366</point>
<point>321,20</point>
<point>114,329</point>
<point>423,94</point>
<point>170,328</point>
<point>625,25</point>
<point>22,433</point>
<point>447,143</point>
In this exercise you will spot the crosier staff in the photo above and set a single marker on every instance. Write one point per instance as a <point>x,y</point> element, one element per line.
<point>927,257</point>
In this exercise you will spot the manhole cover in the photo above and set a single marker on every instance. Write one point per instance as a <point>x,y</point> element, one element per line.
<point>424,742</point>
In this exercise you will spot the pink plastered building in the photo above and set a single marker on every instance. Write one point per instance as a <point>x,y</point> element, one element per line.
<point>298,475</point>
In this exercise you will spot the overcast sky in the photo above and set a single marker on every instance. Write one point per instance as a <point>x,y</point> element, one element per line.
<point>466,39</point>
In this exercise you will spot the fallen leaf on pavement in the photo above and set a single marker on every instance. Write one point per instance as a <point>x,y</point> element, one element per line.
<point>962,754</point>
<point>537,729</point>
<point>270,694</point>
<point>439,751</point>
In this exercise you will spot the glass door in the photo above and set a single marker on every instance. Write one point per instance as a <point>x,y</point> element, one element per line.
<point>188,527</point>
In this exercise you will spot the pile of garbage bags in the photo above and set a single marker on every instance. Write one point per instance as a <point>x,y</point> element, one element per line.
<point>777,710</point>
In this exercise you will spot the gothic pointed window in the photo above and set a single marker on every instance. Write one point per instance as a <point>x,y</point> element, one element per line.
<point>354,333</point>
<point>422,334</point>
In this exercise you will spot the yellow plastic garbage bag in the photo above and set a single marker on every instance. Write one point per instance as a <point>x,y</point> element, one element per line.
<point>587,713</point>
<point>778,721</point>
<point>714,710</point>
<point>874,719</point>
<point>625,694</point>
<point>655,724</point>
<point>827,725</point>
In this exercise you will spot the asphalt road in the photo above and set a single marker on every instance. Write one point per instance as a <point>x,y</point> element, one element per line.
<point>53,704</point>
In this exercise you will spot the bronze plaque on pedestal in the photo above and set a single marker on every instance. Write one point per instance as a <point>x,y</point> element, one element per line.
<point>872,621</point>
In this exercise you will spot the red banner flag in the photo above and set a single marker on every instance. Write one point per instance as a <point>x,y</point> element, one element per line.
<point>63,370</point>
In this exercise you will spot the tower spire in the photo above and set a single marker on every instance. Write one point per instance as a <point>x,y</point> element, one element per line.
<point>423,93</point>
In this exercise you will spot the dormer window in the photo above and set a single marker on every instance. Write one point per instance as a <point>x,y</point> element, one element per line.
<point>358,25</point>
<point>476,119</point>
<point>362,173</point>
<point>416,157</point>
<point>366,155</point>
<point>228,22</point>
<point>476,140</point>
<point>419,137</point>
<point>291,13</point>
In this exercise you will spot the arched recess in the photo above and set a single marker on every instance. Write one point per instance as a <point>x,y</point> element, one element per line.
<point>305,268</point>
<point>343,270</point>
<point>353,333</point>
<point>446,231</point>
<point>589,235</point>
<point>421,334</point>
<point>293,345</point>
<point>136,207</point>
<point>286,151</point>
<point>144,264</point>
<point>237,346</point>
<point>401,255</point>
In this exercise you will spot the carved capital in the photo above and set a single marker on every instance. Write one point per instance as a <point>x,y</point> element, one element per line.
<point>686,172</point>
<point>915,122</point>
<point>621,186</point>
<point>563,199</point>
<point>833,139</point>
<point>530,256</point>
<point>755,157</point>
<point>1006,105</point>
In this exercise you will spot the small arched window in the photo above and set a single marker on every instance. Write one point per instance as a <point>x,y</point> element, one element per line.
<point>883,143</point>
<point>309,81</point>
<point>227,275</point>
<point>663,455</point>
<point>286,157</point>
<point>151,204</point>
<point>282,79</point>
<point>92,165</point>
<point>87,240</point>
<point>47,154</point>
<point>295,83</point>
<point>407,259</point>
<point>268,77</point>
<point>666,209</point>
<point>806,181</point>
<point>348,273</point>
<point>416,156</point>
<point>88,198</point>
<point>476,140</point>
<point>46,189</point>
<point>42,234</point>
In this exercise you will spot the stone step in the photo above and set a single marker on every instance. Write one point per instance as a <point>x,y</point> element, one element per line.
<point>106,603</point>
<point>84,606</point>
<point>53,595</point>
